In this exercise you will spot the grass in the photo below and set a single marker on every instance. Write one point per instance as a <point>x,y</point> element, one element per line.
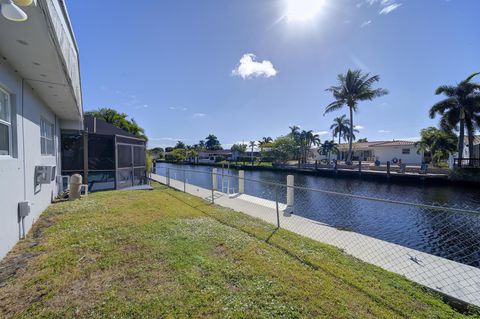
<point>164,254</point>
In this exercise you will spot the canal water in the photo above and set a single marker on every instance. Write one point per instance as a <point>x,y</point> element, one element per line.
<point>446,233</point>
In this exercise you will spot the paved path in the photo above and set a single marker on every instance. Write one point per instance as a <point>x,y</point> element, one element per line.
<point>454,279</point>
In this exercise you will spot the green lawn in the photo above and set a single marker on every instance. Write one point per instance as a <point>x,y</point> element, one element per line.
<point>161,253</point>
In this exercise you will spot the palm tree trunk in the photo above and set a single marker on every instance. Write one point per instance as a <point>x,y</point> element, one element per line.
<point>461,139</point>
<point>351,135</point>
<point>338,153</point>
<point>470,144</point>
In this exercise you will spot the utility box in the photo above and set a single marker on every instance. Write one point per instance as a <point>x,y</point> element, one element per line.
<point>24,209</point>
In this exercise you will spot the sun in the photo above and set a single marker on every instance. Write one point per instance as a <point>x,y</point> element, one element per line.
<point>302,10</point>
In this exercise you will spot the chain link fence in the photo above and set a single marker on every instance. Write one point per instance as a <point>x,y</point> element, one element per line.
<point>437,246</point>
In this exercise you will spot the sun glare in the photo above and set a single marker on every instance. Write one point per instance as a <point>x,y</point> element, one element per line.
<point>302,10</point>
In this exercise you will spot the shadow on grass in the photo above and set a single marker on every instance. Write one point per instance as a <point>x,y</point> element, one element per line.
<point>288,252</point>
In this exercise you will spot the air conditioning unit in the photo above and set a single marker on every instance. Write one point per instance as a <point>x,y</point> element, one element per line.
<point>44,174</point>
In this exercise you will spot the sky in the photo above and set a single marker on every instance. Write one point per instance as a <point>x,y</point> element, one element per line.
<point>245,69</point>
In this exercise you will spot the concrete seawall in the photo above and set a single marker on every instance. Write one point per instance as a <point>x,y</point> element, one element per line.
<point>378,176</point>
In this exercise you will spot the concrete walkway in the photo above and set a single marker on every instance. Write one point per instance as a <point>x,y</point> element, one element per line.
<point>451,278</point>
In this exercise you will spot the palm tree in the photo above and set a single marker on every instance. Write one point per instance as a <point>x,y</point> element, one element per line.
<point>252,145</point>
<point>353,87</point>
<point>327,148</point>
<point>212,143</point>
<point>459,110</point>
<point>264,141</point>
<point>341,128</point>
<point>294,130</point>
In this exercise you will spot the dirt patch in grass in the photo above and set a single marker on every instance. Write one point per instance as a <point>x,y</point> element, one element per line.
<point>18,258</point>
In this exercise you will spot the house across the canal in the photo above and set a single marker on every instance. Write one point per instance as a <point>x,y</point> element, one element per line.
<point>383,151</point>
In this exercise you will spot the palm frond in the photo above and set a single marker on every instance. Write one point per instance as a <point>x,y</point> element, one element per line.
<point>448,90</point>
<point>336,105</point>
<point>442,106</point>
<point>471,77</point>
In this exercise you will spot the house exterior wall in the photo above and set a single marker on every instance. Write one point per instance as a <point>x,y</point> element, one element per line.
<point>17,171</point>
<point>387,153</point>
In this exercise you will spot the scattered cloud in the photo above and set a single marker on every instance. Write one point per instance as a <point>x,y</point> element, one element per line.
<point>366,23</point>
<point>248,68</point>
<point>385,6</point>
<point>384,131</point>
<point>132,101</point>
<point>144,106</point>
<point>172,108</point>
<point>390,8</point>
<point>199,115</point>
<point>359,127</point>
<point>322,133</point>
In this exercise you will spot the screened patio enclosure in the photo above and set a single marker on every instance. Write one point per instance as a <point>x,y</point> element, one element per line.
<point>106,156</point>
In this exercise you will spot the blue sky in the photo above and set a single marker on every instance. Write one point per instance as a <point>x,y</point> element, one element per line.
<point>176,66</point>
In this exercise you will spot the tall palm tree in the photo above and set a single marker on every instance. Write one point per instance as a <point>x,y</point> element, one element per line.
<point>459,110</point>
<point>353,87</point>
<point>252,145</point>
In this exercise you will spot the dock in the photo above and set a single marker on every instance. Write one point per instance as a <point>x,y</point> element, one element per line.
<point>455,280</point>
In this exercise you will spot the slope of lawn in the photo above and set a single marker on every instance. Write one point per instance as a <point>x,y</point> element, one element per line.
<point>161,253</point>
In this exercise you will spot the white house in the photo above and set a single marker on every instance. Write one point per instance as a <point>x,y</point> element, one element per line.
<point>40,94</point>
<point>383,151</point>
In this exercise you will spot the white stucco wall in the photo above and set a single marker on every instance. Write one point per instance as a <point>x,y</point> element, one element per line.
<point>17,171</point>
<point>387,153</point>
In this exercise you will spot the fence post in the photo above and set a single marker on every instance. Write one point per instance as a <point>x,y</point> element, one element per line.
<point>168,177</point>
<point>359,168</point>
<point>388,169</point>
<point>184,182</point>
<point>241,182</point>
<point>221,180</point>
<point>214,179</point>
<point>278,210</point>
<point>290,194</point>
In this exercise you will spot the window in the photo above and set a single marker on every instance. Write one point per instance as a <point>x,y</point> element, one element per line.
<point>46,137</point>
<point>405,151</point>
<point>5,124</point>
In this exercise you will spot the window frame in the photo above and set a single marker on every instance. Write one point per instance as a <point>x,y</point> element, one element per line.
<point>406,151</point>
<point>8,124</point>
<point>45,139</point>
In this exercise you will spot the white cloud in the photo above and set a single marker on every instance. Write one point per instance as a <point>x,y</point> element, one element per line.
<point>248,68</point>
<point>390,8</point>
<point>359,127</point>
<point>386,6</point>
<point>384,131</point>
<point>199,115</point>
<point>322,133</point>
<point>172,108</point>
<point>365,23</point>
